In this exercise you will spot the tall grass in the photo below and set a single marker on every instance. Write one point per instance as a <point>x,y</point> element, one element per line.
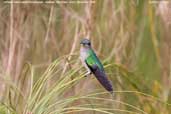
<point>40,70</point>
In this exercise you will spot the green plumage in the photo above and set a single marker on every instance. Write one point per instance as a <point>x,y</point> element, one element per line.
<point>93,64</point>
<point>92,59</point>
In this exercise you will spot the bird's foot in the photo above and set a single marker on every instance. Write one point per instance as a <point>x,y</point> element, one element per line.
<point>87,74</point>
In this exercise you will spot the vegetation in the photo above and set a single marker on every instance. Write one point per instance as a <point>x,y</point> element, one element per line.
<point>40,70</point>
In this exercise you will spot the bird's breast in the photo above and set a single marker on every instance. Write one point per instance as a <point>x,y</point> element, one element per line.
<point>83,54</point>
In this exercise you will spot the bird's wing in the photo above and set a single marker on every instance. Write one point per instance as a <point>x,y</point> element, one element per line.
<point>92,59</point>
<point>101,77</point>
<point>99,73</point>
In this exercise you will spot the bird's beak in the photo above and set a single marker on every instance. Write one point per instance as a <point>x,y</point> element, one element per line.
<point>81,42</point>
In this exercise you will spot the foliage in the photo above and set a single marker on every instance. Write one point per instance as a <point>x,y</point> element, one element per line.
<point>40,72</point>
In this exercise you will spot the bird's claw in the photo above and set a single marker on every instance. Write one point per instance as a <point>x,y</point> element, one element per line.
<point>88,73</point>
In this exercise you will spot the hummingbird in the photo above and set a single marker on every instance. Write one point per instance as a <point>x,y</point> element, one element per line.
<point>93,65</point>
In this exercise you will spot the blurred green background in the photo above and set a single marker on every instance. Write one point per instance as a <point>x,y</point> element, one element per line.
<point>40,69</point>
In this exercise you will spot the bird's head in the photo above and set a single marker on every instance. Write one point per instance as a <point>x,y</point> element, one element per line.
<point>85,43</point>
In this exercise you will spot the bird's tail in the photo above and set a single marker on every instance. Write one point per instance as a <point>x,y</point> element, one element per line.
<point>112,94</point>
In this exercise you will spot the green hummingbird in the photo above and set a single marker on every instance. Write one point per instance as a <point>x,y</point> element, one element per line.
<point>93,64</point>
